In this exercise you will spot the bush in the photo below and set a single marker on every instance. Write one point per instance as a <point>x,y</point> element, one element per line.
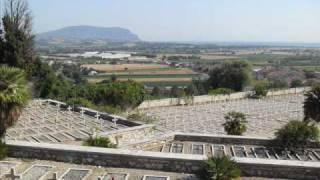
<point>100,142</point>
<point>312,105</point>
<point>219,168</point>
<point>3,150</point>
<point>80,102</point>
<point>221,91</point>
<point>260,90</point>
<point>235,123</point>
<point>138,116</point>
<point>109,109</point>
<point>296,135</point>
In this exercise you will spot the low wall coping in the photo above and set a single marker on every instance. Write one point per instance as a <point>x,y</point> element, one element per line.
<point>307,164</point>
<point>154,155</point>
<point>221,136</point>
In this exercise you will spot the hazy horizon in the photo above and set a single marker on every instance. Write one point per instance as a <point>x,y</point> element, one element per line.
<point>288,21</point>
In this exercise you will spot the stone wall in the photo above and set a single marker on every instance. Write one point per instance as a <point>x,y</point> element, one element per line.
<point>106,157</point>
<point>279,169</point>
<point>212,98</point>
<point>171,162</point>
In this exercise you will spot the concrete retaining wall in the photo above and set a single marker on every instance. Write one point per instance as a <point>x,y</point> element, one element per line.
<point>171,162</point>
<point>107,157</point>
<point>279,169</point>
<point>212,98</point>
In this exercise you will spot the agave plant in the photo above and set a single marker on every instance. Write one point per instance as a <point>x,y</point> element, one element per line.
<point>14,95</point>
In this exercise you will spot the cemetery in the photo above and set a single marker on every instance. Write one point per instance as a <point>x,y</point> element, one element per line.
<point>47,142</point>
<point>45,170</point>
<point>264,116</point>
<point>53,122</point>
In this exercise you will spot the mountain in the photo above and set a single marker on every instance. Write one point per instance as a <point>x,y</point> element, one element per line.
<point>88,33</point>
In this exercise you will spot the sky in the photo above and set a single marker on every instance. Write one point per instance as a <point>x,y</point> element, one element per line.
<point>188,20</point>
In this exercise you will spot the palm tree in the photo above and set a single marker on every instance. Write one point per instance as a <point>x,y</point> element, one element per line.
<point>14,95</point>
<point>312,105</point>
<point>235,123</point>
<point>220,168</point>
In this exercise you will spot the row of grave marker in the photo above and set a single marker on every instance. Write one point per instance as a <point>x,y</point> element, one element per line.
<point>242,152</point>
<point>37,172</point>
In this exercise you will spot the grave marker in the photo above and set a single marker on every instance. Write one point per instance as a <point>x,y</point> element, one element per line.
<point>12,175</point>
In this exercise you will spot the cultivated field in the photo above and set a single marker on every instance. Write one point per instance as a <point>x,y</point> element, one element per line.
<point>216,57</point>
<point>147,74</point>
<point>143,80</point>
<point>163,71</point>
<point>124,67</point>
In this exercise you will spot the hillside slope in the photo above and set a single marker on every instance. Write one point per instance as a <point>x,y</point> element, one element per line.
<point>85,33</point>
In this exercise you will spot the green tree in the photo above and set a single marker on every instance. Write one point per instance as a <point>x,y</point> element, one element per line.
<point>312,104</point>
<point>191,90</point>
<point>113,78</point>
<point>18,43</point>
<point>296,135</point>
<point>219,168</point>
<point>201,86</point>
<point>296,83</point>
<point>232,75</point>
<point>235,123</point>
<point>14,95</point>
<point>176,92</point>
<point>155,91</point>
<point>278,84</point>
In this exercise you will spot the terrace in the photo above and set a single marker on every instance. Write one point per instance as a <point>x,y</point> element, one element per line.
<point>54,122</point>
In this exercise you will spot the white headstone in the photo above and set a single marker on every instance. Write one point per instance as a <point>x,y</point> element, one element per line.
<point>12,175</point>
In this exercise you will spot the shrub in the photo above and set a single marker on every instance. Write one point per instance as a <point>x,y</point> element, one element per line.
<point>99,142</point>
<point>312,104</point>
<point>219,168</point>
<point>80,102</point>
<point>235,123</point>
<point>296,135</point>
<point>3,150</point>
<point>260,90</point>
<point>221,91</point>
<point>138,116</point>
